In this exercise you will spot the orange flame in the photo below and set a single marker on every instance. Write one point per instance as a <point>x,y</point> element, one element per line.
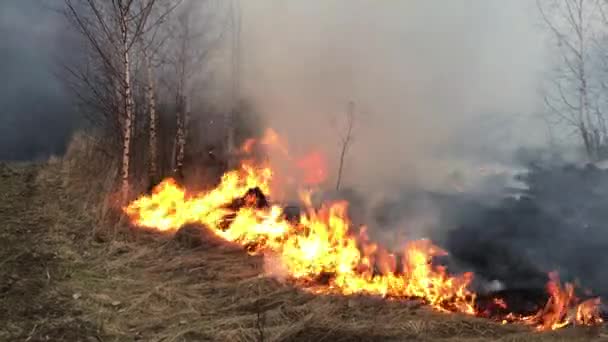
<point>314,168</point>
<point>322,253</point>
<point>169,207</point>
<point>321,243</point>
<point>248,145</point>
<point>563,309</point>
<point>272,139</point>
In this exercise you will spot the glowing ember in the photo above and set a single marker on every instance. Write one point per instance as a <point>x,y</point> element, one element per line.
<point>323,253</point>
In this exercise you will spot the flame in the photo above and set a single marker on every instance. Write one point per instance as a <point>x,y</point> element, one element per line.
<point>170,207</point>
<point>563,308</point>
<point>322,252</point>
<point>314,167</point>
<point>272,139</point>
<point>321,244</point>
<point>248,145</point>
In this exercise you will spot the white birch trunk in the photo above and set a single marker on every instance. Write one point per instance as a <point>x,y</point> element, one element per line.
<point>153,145</point>
<point>180,137</point>
<point>128,127</point>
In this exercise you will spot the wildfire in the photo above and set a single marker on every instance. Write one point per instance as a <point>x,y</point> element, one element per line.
<point>563,309</point>
<point>322,252</point>
<point>321,244</point>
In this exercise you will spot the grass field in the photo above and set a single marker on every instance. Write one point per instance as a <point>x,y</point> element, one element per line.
<point>60,281</point>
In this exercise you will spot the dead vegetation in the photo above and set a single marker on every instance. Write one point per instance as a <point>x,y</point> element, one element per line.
<point>137,285</point>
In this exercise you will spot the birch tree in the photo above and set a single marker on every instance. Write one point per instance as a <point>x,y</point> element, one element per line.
<point>236,56</point>
<point>152,41</point>
<point>573,95</point>
<point>192,42</point>
<point>112,28</point>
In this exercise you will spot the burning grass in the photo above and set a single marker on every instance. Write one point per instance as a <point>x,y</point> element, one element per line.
<point>321,253</point>
<point>218,292</point>
<point>147,286</point>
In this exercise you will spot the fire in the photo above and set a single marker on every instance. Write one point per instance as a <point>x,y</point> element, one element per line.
<point>321,244</point>
<point>323,253</point>
<point>314,168</point>
<point>272,139</point>
<point>563,308</point>
<point>248,145</point>
<point>170,207</point>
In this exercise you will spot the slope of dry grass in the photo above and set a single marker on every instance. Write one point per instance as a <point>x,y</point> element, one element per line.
<point>74,285</point>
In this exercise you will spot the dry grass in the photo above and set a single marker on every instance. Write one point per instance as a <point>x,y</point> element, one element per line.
<point>148,287</point>
<point>159,291</point>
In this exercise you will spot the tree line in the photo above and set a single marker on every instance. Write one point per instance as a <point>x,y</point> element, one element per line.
<point>576,95</point>
<point>141,62</point>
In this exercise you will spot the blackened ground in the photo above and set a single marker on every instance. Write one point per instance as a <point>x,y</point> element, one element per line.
<point>559,224</point>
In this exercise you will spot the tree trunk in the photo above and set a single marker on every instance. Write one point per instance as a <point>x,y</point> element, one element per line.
<point>153,145</point>
<point>586,142</point>
<point>180,137</point>
<point>128,128</point>
<point>230,123</point>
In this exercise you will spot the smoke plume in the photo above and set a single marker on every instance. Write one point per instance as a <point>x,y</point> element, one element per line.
<point>447,97</point>
<point>438,86</point>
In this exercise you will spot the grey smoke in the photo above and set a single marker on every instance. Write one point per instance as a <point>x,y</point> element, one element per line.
<point>448,100</point>
<point>36,115</point>
<point>438,85</point>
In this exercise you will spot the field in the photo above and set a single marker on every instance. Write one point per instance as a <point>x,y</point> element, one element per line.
<point>62,281</point>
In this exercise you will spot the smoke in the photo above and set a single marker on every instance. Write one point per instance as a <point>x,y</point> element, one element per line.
<point>36,116</point>
<point>444,94</point>
<point>447,100</point>
<point>438,87</point>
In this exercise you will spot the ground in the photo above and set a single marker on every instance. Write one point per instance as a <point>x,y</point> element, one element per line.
<point>60,281</point>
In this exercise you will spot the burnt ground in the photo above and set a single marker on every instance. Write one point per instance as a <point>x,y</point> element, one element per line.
<point>60,282</point>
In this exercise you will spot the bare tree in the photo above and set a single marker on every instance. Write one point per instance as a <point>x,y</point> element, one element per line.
<point>346,139</point>
<point>182,71</point>
<point>572,99</point>
<point>112,29</point>
<point>236,55</point>
<point>152,42</point>
<point>120,34</point>
<point>153,122</point>
<point>192,44</point>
